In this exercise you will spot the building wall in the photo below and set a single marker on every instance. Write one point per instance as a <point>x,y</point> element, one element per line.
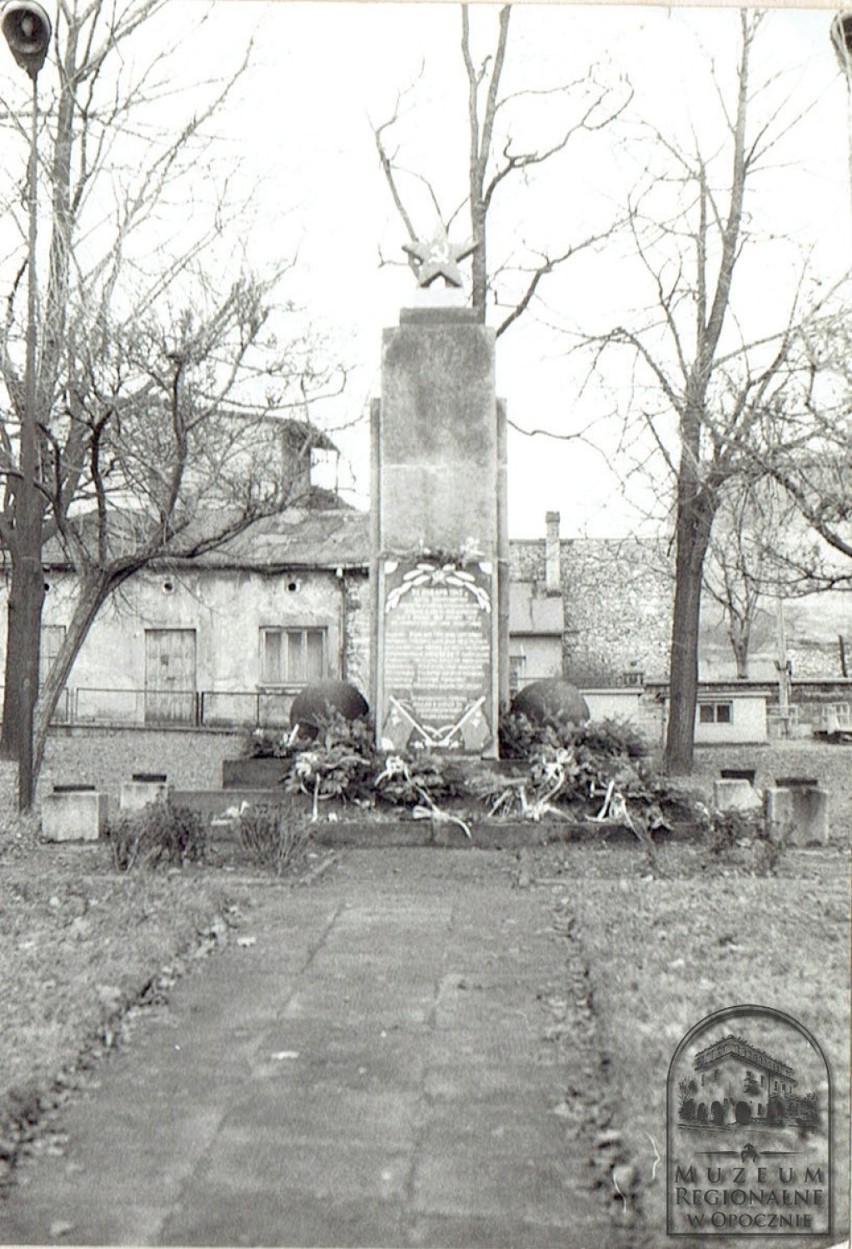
<point>724,1083</point>
<point>533,657</point>
<point>615,600</point>
<point>747,723</point>
<point>357,649</point>
<point>616,704</point>
<point>227,610</point>
<point>617,604</point>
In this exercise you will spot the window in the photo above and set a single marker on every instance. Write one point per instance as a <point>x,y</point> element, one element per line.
<point>292,656</point>
<point>715,713</point>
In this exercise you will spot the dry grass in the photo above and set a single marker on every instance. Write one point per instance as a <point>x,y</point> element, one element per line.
<point>664,953</point>
<point>78,945</point>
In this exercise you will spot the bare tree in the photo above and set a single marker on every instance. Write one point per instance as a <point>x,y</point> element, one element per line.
<point>758,551</point>
<point>170,460</point>
<point>733,575</point>
<point>705,370</point>
<point>807,447</point>
<point>154,383</point>
<point>496,159</point>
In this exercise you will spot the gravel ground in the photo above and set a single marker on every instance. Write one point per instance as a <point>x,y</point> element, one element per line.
<point>106,757</point>
<point>193,760</point>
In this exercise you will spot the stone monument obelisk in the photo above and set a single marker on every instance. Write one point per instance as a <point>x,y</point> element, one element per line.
<point>439,541</point>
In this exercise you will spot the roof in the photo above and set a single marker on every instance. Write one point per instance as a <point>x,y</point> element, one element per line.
<point>298,539</point>
<point>301,435</point>
<point>738,1046</point>
<point>314,536</point>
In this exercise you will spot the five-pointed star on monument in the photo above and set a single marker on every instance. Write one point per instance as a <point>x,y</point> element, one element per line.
<point>438,258</point>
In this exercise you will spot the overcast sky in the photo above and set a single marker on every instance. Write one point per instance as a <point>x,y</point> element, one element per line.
<point>325,72</point>
<point>299,133</point>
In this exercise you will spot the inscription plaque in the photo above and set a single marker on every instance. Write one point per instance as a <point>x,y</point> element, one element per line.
<point>437,642</point>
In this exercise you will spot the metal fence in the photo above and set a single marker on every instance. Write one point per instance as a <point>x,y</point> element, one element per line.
<point>253,709</point>
<point>62,710</point>
<point>120,707</point>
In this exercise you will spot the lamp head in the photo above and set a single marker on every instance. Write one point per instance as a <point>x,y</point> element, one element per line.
<point>26,29</point>
<point>841,37</point>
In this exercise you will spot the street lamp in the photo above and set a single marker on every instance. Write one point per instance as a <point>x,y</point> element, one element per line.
<point>841,37</point>
<point>26,28</point>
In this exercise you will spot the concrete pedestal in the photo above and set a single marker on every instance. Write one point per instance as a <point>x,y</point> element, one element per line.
<point>74,815</point>
<point>135,795</point>
<point>735,795</point>
<point>439,543</point>
<point>797,816</point>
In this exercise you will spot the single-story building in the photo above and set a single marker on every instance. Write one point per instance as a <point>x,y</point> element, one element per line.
<point>229,638</point>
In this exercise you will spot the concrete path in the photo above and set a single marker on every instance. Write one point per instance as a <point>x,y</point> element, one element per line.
<point>383,1067</point>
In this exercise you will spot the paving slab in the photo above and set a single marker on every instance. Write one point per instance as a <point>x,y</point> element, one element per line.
<point>377,1069</point>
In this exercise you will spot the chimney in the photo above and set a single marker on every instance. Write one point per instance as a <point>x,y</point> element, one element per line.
<point>552,570</point>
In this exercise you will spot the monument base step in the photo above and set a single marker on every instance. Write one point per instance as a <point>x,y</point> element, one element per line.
<point>221,807</point>
<point>214,803</point>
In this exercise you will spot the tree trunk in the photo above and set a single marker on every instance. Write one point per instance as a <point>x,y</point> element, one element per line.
<point>23,637</point>
<point>740,647</point>
<point>93,593</point>
<point>694,522</point>
<point>479,261</point>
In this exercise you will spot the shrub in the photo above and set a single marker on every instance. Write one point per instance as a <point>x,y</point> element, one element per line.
<point>158,834</point>
<point>269,744</point>
<point>276,838</point>
<point>340,764</point>
<point>739,839</point>
<point>613,737</point>
<point>409,779</point>
<point>521,737</point>
<point>594,767</point>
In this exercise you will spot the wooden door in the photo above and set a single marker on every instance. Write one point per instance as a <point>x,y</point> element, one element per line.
<point>170,676</point>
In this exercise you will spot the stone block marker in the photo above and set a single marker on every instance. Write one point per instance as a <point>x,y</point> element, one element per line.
<point>797,816</point>
<point>74,815</point>
<point>735,795</point>
<point>138,792</point>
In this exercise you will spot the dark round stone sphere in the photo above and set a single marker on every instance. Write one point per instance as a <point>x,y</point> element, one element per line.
<point>316,703</point>
<point>551,700</point>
